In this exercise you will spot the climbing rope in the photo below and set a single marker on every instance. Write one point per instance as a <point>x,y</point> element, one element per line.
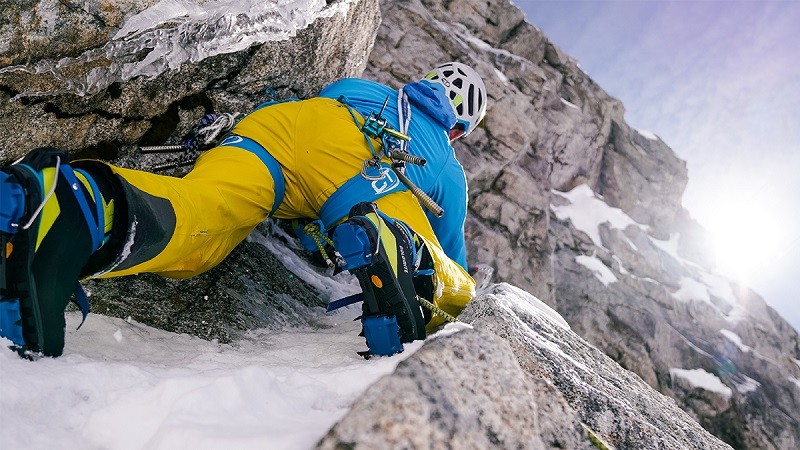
<point>313,229</point>
<point>436,310</point>
<point>222,122</point>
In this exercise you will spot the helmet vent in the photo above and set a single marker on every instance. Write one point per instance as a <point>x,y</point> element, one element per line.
<point>465,89</point>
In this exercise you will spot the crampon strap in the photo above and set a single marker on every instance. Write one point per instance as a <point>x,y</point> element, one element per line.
<point>96,227</point>
<point>342,302</point>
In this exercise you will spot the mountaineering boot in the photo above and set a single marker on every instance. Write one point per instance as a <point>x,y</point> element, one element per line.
<point>50,226</point>
<point>380,252</point>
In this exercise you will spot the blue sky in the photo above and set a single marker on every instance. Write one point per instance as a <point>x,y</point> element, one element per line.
<point>718,81</point>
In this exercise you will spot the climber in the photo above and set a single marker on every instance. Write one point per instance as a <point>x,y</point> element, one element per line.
<point>314,159</point>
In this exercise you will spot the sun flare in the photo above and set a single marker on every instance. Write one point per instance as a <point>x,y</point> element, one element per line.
<point>747,236</point>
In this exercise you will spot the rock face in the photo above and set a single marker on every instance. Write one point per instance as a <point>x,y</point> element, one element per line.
<point>567,202</point>
<point>104,74</point>
<point>517,380</point>
<point>638,283</point>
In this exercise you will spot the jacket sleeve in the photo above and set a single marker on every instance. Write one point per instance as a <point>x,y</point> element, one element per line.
<point>450,192</point>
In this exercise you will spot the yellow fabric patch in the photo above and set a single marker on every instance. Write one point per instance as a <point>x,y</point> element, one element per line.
<point>216,206</point>
<point>108,208</point>
<point>51,209</point>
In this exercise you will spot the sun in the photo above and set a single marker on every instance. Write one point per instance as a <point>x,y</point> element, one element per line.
<point>747,234</point>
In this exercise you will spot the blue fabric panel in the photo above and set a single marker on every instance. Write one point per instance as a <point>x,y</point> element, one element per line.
<point>355,190</point>
<point>272,164</point>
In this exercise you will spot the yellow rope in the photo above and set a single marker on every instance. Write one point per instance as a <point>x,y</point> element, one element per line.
<point>436,310</point>
<point>313,230</point>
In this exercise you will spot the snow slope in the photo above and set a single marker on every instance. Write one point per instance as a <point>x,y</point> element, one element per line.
<point>123,385</point>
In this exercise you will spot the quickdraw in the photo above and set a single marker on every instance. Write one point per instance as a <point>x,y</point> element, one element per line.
<point>202,137</point>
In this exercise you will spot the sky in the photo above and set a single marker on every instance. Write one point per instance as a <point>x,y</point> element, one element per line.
<point>719,82</point>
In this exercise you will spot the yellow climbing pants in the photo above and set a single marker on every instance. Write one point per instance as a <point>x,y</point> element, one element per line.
<point>230,191</point>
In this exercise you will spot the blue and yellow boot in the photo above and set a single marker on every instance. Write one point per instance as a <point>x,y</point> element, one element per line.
<point>53,219</point>
<point>380,252</point>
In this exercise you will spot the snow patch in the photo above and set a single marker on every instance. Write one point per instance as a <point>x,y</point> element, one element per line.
<point>699,378</point>
<point>501,75</point>
<point>749,385</point>
<point>600,270</point>
<point>719,287</point>
<point>529,303</point>
<point>692,290</point>
<point>795,381</point>
<point>340,286</point>
<point>648,134</point>
<point>712,285</point>
<point>569,104</point>
<point>669,246</point>
<point>453,328</point>
<point>587,212</point>
<point>512,299</point>
<point>274,389</point>
<point>733,337</point>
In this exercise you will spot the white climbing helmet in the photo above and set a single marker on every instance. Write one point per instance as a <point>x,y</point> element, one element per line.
<point>467,94</point>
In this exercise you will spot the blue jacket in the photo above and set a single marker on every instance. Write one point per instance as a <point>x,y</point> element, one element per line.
<point>442,178</point>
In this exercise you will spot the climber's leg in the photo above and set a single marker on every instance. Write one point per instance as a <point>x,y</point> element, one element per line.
<point>180,227</point>
<point>53,217</point>
<point>453,288</point>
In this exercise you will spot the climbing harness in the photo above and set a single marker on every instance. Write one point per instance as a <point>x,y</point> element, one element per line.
<point>394,146</point>
<point>203,136</point>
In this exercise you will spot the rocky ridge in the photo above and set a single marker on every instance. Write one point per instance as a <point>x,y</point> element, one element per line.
<point>518,363</point>
<point>639,283</point>
<point>639,286</point>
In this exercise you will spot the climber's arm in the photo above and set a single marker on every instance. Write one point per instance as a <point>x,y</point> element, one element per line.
<point>450,192</point>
